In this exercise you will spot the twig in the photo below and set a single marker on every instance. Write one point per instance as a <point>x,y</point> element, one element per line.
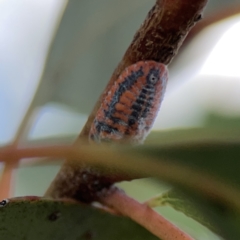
<point>143,215</point>
<point>159,38</point>
<point>6,179</point>
<point>215,17</point>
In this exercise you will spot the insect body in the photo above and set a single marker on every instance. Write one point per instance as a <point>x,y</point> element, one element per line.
<point>130,107</point>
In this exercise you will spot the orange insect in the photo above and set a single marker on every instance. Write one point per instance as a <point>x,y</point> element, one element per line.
<point>128,111</point>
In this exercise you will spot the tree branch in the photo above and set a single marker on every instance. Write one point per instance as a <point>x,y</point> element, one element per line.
<point>159,38</point>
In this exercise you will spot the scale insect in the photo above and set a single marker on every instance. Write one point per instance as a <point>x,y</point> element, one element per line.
<point>131,105</point>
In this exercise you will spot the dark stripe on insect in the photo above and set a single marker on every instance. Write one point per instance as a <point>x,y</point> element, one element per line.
<point>103,127</point>
<point>117,120</point>
<point>144,107</point>
<point>137,107</point>
<point>144,100</point>
<point>123,87</point>
<point>133,118</point>
<point>112,118</point>
<point>147,107</point>
<point>151,92</point>
<point>148,86</point>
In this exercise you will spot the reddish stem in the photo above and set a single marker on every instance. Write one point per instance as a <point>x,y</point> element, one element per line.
<point>143,215</point>
<point>7,179</point>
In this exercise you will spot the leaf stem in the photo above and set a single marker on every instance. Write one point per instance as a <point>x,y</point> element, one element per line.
<point>143,215</point>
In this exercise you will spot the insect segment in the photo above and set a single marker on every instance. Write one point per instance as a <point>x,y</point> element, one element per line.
<point>130,107</point>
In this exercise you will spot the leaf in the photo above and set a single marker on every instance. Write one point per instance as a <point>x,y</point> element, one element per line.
<point>193,135</point>
<point>40,219</point>
<point>75,72</point>
<point>183,203</point>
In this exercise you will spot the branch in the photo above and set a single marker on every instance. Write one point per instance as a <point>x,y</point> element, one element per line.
<point>159,38</point>
<point>6,179</point>
<point>215,17</point>
<point>10,164</point>
<point>143,215</point>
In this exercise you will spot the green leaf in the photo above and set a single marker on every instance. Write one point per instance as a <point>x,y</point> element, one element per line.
<point>75,73</point>
<point>40,219</point>
<point>183,203</point>
<point>194,135</point>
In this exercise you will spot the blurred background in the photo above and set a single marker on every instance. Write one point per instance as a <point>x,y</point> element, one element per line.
<point>57,56</point>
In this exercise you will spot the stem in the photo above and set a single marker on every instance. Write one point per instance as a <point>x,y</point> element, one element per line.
<point>6,179</point>
<point>159,38</point>
<point>215,17</point>
<point>144,216</point>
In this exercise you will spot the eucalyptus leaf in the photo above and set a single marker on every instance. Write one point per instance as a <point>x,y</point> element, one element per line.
<point>91,39</point>
<point>40,219</point>
<point>183,203</point>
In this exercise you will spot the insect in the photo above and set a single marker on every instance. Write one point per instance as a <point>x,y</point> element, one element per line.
<point>130,107</point>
